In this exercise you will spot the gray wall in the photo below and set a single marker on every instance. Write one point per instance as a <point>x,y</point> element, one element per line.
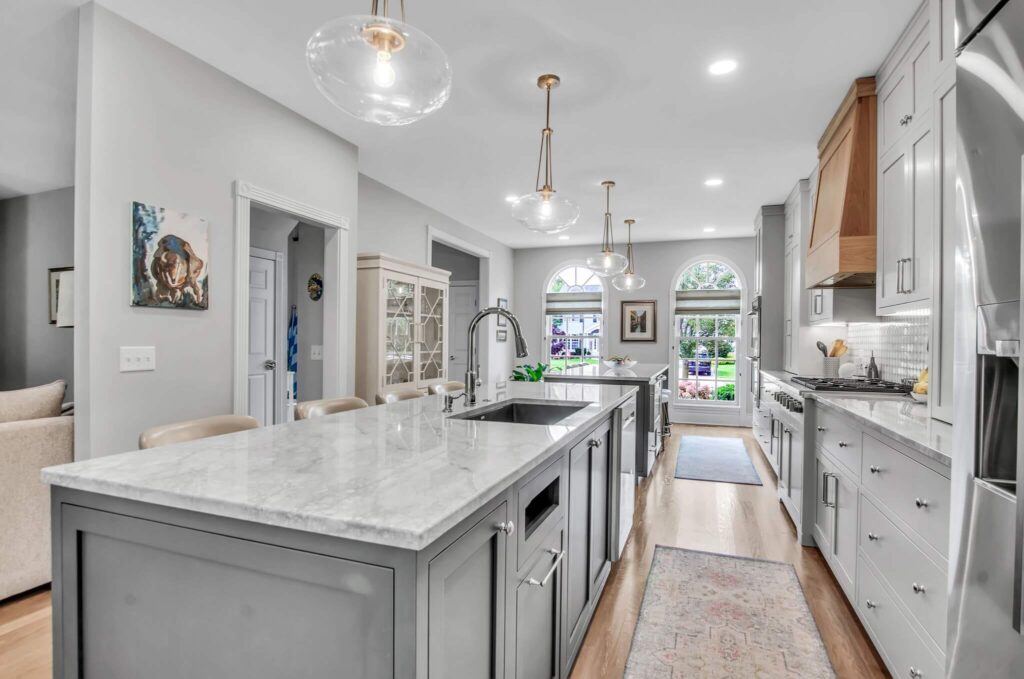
<point>270,230</point>
<point>36,234</point>
<point>463,266</point>
<point>306,257</point>
<point>393,223</point>
<point>160,126</point>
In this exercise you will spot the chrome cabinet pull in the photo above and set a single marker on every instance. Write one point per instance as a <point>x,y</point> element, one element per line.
<point>874,469</point>
<point>559,555</point>
<point>915,673</point>
<point>899,276</point>
<point>821,429</point>
<point>905,120</point>
<point>873,537</point>
<point>921,504</point>
<point>506,527</point>
<point>824,488</point>
<point>918,589</point>
<point>870,604</point>
<point>908,288</point>
<point>844,444</point>
<point>595,443</point>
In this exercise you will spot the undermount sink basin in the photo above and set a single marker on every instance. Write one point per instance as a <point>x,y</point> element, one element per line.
<point>523,411</point>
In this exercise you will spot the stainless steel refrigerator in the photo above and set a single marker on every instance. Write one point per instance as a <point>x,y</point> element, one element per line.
<point>987,522</point>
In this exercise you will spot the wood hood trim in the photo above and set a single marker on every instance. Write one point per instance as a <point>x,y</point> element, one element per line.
<point>843,237</point>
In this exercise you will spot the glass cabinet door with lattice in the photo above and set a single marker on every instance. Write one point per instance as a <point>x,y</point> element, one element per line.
<point>399,330</point>
<point>431,343</point>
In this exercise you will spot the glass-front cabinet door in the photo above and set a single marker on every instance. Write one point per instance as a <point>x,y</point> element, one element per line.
<point>431,342</point>
<point>399,331</point>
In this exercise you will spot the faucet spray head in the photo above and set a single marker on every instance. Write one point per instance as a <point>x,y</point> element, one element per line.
<point>522,351</point>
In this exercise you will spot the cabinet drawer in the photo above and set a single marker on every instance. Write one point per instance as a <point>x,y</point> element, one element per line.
<point>841,439</point>
<point>917,580</point>
<point>892,632</point>
<point>913,492</point>
<point>540,505</point>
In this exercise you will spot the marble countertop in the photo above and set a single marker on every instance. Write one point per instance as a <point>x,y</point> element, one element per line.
<point>784,377</point>
<point>641,373</point>
<point>898,417</point>
<point>398,475</point>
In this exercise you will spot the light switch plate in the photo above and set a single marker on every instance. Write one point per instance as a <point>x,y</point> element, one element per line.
<point>316,352</point>
<point>137,359</point>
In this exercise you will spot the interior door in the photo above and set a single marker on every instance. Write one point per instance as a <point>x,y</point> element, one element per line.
<point>463,303</point>
<point>262,306</point>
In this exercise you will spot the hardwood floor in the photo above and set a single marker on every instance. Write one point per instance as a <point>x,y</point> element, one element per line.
<point>728,519</point>
<point>716,517</point>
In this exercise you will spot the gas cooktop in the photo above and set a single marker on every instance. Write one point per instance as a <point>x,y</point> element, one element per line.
<point>854,384</point>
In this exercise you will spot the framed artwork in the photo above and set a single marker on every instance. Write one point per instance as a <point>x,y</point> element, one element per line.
<point>502,335</point>
<point>639,321</point>
<point>502,321</point>
<point>170,258</point>
<point>53,280</point>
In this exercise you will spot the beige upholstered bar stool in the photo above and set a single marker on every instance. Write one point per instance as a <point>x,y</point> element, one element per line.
<point>396,396</point>
<point>328,406</point>
<point>446,388</point>
<point>190,430</point>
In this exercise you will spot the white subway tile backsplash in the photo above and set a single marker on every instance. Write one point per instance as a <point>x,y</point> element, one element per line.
<point>900,345</point>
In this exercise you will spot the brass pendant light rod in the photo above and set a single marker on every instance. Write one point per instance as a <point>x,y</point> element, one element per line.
<point>375,6</point>
<point>545,165</point>
<point>629,245</point>
<point>608,242</point>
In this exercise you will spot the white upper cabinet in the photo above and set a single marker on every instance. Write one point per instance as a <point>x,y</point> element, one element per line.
<point>905,95</point>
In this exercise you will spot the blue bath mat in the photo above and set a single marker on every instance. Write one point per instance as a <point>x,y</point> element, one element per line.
<point>709,458</point>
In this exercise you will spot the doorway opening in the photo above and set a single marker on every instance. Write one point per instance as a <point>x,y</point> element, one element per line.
<point>463,301</point>
<point>286,314</point>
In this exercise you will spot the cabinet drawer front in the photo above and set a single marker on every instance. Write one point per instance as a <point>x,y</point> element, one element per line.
<point>912,491</point>
<point>762,420</point>
<point>841,439</point>
<point>892,632</point>
<point>917,580</point>
<point>538,612</point>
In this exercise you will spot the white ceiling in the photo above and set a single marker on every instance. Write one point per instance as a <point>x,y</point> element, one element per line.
<point>636,105</point>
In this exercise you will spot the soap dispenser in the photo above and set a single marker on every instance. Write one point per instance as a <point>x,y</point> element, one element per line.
<point>872,368</point>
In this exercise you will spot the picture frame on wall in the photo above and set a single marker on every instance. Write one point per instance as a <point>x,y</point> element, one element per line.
<point>639,321</point>
<point>53,286</point>
<point>502,321</point>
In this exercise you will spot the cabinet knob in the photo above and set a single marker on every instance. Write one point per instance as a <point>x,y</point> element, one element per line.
<point>821,429</point>
<point>921,504</point>
<point>870,604</point>
<point>844,444</point>
<point>915,673</point>
<point>872,537</point>
<point>918,589</point>
<point>874,469</point>
<point>506,527</point>
<point>595,443</point>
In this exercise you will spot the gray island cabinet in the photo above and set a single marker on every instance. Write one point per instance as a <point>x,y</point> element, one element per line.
<point>395,541</point>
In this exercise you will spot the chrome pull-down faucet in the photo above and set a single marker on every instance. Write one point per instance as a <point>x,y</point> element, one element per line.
<point>473,361</point>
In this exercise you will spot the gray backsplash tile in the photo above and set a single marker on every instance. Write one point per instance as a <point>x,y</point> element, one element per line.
<point>900,345</point>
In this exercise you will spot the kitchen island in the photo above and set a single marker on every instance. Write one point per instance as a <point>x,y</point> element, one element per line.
<point>649,379</point>
<point>396,541</point>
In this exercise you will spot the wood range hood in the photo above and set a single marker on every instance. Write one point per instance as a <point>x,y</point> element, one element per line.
<point>841,253</point>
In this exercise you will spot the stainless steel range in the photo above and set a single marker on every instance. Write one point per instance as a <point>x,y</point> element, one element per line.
<point>852,384</point>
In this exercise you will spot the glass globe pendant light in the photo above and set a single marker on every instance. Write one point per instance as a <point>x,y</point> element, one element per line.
<point>607,262</point>
<point>379,69</point>
<point>542,210</point>
<point>628,280</point>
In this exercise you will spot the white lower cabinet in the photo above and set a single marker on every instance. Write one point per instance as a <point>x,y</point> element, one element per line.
<point>881,521</point>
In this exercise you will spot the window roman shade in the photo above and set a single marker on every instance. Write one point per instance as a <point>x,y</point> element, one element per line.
<point>573,303</point>
<point>706,302</point>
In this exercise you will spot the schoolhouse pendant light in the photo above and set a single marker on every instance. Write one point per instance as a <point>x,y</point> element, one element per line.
<point>379,69</point>
<point>607,262</point>
<point>543,210</point>
<point>628,280</point>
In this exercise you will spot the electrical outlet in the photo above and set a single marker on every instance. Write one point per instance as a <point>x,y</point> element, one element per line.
<point>316,352</point>
<point>137,359</point>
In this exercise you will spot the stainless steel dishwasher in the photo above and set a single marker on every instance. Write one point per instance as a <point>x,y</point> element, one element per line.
<point>625,501</point>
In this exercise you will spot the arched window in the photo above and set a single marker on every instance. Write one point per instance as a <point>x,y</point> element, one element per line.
<point>707,332</point>
<point>573,317</point>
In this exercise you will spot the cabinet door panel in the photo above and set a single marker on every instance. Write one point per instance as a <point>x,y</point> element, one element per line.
<point>577,566</point>
<point>399,318</point>
<point>894,226</point>
<point>600,467</point>
<point>822,508</point>
<point>843,493</point>
<point>917,272</point>
<point>788,307</point>
<point>432,330</point>
<point>466,603</point>
<point>538,614</point>
<point>895,102</point>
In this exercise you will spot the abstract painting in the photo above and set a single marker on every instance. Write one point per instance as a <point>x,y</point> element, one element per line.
<point>639,321</point>
<point>170,258</point>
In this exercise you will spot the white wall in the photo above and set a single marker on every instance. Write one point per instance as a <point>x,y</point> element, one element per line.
<point>659,263</point>
<point>157,125</point>
<point>36,234</point>
<point>392,222</point>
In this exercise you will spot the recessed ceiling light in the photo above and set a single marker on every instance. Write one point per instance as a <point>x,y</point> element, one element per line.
<point>511,198</point>
<point>563,238</point>
<point>708,229</point>
<point>722,67</point>
<point>713,181</point>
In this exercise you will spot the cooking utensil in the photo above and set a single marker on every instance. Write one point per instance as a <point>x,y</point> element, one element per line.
<point>822,348</point>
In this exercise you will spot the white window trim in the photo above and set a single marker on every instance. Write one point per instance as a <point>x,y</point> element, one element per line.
<point>545,337</point>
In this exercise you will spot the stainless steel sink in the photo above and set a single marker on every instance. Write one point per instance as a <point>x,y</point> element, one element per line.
<point>523,411</point>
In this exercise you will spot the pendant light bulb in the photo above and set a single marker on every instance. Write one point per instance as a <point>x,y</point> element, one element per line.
<point>628,280</point>
<point>607,262</point>
<point>543,210</point>
<point>383,72</point>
